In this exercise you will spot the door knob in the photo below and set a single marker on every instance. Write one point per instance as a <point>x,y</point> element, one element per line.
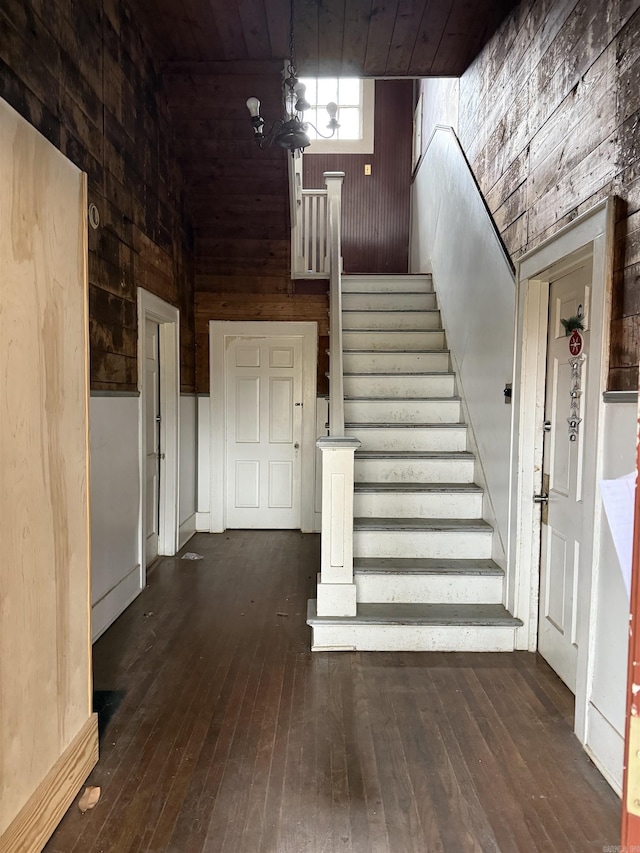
<point>297,446</point>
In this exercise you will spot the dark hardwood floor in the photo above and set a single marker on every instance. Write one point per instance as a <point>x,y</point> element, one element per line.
<point>222,732</point>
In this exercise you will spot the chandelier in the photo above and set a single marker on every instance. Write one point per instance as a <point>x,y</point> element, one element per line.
<point>290,132</point>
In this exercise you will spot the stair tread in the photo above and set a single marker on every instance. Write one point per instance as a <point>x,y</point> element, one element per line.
<point>407,373</point>
<point>391,310</point>
<point>420,614</point>
<point>425,565</point>
<point>440,399</point>
<point>389,293</point>
<point>454,525</point>
<point>418,487</point>
<point>414,454</point>
<point>439,351</point>
<point>393,331</point>
<point>401,425</point>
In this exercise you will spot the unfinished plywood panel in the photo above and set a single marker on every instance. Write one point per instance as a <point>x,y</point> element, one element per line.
<point>48,735</point>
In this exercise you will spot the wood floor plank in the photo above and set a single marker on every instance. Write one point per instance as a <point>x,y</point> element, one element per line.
<point>224,732</point>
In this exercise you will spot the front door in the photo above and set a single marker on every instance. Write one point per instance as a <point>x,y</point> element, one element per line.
<point>152,438</point>
<point>263,432</point>
<point>561,564</point>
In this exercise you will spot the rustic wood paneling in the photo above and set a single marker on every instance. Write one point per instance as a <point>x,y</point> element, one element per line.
<point>83,75</point>
<point>549,116</point>
<point>354,38</point>
<point>303,306</point>
<point>375,228</point>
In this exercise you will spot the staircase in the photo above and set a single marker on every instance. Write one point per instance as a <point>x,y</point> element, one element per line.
<point>424,575</point>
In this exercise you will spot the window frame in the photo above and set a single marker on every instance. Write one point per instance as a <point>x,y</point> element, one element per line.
<point>365,144</point>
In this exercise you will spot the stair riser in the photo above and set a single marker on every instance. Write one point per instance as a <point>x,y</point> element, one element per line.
<point>399,505</point>
<point>438,589</point>
<point>387,284</point>
<point>446,545</point>
<point>414,471</point>
<point>395,362</point>
<point>400,386</point>
<point>393,341</point>
<point>389,301</point>
<point>417,638</point>
<point>391,320</point>
<point>390,438</point>
<point>402,411</point>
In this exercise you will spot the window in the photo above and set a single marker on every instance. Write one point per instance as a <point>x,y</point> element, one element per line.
<point>355,100</point>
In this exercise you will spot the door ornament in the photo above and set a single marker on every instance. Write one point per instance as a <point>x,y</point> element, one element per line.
<point>574,420</point>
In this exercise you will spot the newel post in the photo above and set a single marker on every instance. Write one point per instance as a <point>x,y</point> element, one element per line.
<point>336,588</point>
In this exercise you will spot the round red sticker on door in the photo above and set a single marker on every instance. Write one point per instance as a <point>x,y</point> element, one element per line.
<point>575,343</point>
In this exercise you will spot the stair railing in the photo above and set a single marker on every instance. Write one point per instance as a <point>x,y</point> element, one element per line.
<point>336,588</point>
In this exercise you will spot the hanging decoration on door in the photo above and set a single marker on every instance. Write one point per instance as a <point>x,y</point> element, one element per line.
<point>574,420</point>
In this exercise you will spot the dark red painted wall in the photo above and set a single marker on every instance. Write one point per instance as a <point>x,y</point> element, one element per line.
<point>375,231</point>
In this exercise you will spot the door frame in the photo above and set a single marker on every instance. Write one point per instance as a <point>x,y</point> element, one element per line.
<point>151,307</point>
<point>591,235</point>
<point>219,331</point>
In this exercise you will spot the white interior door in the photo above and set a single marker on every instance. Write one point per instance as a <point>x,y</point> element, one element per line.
<point>152,425</point>
<point>561,563</point>
<point>263,432</point>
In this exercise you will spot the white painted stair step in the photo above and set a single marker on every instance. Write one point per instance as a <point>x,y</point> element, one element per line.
<point>387,283</point>
<point>401,466</point>
<point>416,627</point>
<point>409,385</point>
<point>407,301</point>
<point>391,320</point>
<point>409,437</point>
<point>395,361</point>
<point>393,341</point>
<point>428,580</point>
<point>441,538</point>
<point>417,500</point>
<point>398,411</point>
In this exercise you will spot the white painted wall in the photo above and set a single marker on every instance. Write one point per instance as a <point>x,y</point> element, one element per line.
<point>606,711</point>
<point>115,507</point>
<point>453,235</point>
<point>440,96</point>
<point>187,476</point>
<point>203,495</point>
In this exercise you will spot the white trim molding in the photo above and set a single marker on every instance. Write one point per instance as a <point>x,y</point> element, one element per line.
<point>219,331</point>
<point>153,308</point>
<point>591,235</point>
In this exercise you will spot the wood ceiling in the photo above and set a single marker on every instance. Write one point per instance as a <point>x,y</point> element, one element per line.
<point>371,38</point>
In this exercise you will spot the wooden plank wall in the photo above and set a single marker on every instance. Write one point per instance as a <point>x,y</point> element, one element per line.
<point>549,119</point>
<point>84,76</point>
<point>375,233</point>
<point>239,198</point>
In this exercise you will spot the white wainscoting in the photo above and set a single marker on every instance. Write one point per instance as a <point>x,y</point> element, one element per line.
<point>453,236</point>
<point>203,495</point>
<point>606,709</point>
<point>187,463</point>
<point>115,507</point>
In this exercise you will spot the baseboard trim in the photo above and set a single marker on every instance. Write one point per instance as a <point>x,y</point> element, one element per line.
<point>187,530</point>
<point>34,824</point>
<point>605,747</point>
<point>105,611</point>
<point>203,522</point>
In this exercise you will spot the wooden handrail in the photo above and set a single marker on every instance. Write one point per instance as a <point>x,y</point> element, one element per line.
<point>333,181</point>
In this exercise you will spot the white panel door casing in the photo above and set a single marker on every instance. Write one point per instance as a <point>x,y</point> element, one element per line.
<point>263,432</point>
<point>561,566</point>
<point>152,438</point>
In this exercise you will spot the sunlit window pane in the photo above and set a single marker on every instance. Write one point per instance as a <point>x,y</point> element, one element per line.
<point>327,90</point>
<point>350,91</point>
<point>349,119</point>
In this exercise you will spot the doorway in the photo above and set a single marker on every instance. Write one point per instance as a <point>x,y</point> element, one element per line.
<point>568,597</point>
<point>159,386</point>
<point>263,395</point>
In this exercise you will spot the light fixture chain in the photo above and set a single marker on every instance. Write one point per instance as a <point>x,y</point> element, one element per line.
<point>291,43</point>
